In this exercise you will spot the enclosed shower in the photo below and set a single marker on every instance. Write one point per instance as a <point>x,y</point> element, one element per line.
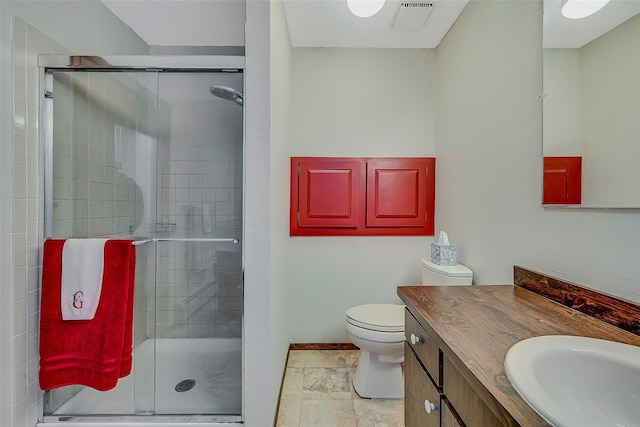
<point>154,153</point>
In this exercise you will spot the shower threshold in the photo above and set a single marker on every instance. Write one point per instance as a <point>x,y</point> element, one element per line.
<point>141,420</point>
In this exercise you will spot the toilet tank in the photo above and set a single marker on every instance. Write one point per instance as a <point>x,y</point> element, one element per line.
<point>445,275</point>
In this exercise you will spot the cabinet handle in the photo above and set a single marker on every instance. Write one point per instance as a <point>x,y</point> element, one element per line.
<point>415,339</point>
<point>429,407</point>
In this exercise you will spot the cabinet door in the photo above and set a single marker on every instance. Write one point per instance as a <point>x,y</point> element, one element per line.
<point>419,392</point>
<point>329,192</point>
<point>400,192</point>
<point>449,416</point>
<point>467,403</point>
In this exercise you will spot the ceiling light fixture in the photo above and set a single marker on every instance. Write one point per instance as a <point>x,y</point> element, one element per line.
<point>577,9</point>
<point>365,8</point>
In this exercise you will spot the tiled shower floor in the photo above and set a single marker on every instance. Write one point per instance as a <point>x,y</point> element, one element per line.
<point>317,392</point>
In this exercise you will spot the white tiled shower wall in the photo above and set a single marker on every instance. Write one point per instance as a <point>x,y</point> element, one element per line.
<point>27,43</point>
<point>200,191</point>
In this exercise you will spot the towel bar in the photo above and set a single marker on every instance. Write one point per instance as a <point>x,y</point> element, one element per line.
<point>212,240</point>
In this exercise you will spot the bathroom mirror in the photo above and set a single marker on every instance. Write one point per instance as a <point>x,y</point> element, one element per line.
<point>591,107</point>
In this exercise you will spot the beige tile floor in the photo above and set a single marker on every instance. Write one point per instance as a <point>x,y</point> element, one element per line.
<point>317,392</point>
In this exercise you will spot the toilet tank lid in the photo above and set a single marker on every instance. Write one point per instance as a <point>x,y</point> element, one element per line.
<point>457,270</point>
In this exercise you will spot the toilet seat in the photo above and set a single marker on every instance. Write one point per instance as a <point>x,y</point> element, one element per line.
<point>373,336</point>
<point>377,317</point>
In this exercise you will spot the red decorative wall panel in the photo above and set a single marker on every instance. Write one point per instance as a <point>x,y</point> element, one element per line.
<point>330,193</point>
<point>396,195</point>
<point>362,196</point>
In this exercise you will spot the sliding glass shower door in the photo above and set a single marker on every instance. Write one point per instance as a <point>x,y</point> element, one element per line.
<point>157,157</point>
<point>199,230</point>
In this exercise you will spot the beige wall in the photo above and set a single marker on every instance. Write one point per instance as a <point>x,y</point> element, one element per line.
<point>561,130</point>
<point>363,102</point>
<point>356,102</point>
<point>279,176</point>
<point>262,357</point>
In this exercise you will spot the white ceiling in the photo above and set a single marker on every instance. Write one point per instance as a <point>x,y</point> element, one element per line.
<point>328,23</point>
<point>312,23</point>
<point>560,32</point>
<point>183,22</point>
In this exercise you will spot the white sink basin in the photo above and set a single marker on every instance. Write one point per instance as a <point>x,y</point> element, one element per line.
<point>577,381</point>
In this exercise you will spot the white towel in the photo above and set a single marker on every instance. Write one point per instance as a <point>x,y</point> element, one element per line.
<point>206,218</point>
<point>82,269</point>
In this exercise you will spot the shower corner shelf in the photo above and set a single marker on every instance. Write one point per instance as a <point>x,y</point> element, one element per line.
<point>165,227</point>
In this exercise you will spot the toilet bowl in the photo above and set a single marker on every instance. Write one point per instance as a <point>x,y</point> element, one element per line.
<point>378,331</point>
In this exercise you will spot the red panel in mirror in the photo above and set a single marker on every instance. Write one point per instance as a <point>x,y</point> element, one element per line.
<point>562,181</point>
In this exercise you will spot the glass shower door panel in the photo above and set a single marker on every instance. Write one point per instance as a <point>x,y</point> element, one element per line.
<point>139,152</point>
<point>102,182</point>
<point>199,290</point>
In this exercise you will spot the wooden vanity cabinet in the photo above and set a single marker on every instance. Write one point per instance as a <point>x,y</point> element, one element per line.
<point>474,327</point>
<point>431,376</point>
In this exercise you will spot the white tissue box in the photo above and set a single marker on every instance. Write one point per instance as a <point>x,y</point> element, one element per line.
<point>444,254</point>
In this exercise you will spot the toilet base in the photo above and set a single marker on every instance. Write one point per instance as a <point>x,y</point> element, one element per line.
<point>377,379</point>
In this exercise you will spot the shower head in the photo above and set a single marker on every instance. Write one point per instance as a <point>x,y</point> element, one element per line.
<point>227,93</point>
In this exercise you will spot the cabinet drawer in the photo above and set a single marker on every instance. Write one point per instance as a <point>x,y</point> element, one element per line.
<point>426,349</point>
<point>449,416</point>
<point>467,403</point>
<point>418,389</point>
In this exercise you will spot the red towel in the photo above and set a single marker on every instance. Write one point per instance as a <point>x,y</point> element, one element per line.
<point>93,352</point>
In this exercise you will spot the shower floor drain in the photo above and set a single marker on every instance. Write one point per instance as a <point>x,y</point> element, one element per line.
<point>185,385</point>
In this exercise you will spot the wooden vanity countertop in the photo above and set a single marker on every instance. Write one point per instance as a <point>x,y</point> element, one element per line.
<point>476,325</point>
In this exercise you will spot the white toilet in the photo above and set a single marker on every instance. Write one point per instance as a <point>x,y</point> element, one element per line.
<point>378,330</point>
